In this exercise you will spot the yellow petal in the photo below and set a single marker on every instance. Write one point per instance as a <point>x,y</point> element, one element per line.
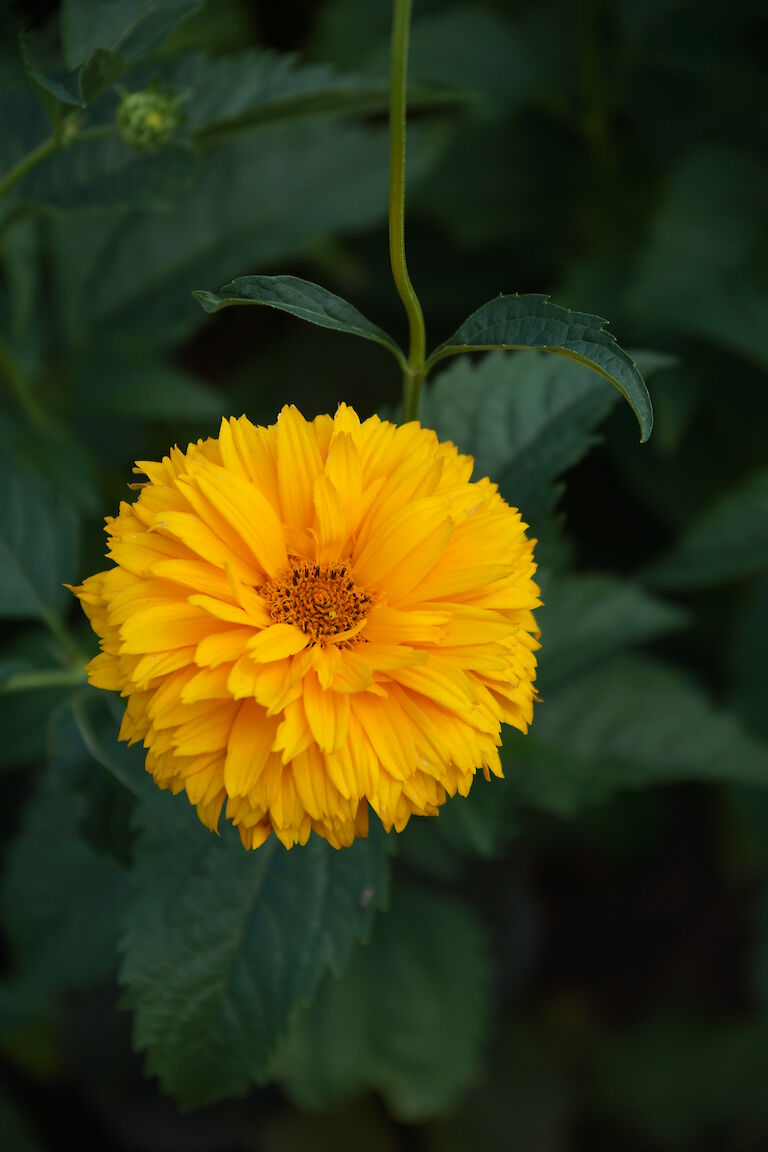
<point>327,714</point>
<point>248,749</point>
<point>299,463</point>
<point>222,647</point>
<point>330,520</point>
<point>276,642</point>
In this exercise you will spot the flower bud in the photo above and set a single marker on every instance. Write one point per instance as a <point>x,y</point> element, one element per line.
<point>147,120</point>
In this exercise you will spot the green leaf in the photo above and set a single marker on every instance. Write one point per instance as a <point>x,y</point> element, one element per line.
<point>61,898</point>
<point>73,87</point>
<point>408,1018</point>
<point>533,322</point>
<point>630,723</point>
<point>134,28</point>
<point>141,388</point>
<point>537,418</point>
<point>727,542</point>
<point>303,299</point>
<point>38,546</point>
<point>588,617</point>
<point>132,278</point>
<point>221,945</point>
<point>109,174</point>
<point>241,91</point>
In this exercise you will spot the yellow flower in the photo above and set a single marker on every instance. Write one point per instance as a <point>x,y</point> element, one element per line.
<point>313,617</point>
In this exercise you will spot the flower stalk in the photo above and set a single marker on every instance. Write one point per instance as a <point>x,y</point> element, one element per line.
<point>414,372</point>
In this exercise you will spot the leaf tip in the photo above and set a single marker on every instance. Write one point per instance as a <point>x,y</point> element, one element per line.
<point>208,301</point>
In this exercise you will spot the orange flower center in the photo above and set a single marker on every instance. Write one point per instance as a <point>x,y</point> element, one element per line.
<point>323,601</point>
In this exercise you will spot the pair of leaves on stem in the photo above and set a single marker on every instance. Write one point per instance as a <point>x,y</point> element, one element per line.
<point>509,322</point>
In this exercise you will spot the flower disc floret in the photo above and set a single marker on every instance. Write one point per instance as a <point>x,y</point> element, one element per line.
<point>323,601</point>
<point>316,618</point>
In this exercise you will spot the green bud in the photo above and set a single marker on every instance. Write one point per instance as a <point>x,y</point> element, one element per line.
<point>147,120</point>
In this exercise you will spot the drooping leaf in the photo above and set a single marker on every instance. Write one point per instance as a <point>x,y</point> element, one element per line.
<point>525,417</point>
<point>221,945</point>
<point>533,322</point>
<point>630,723</point>
<point>38,546</point>
<point>300,298</point>
<point>727,542</point>
<point>407,1019</point>
<point>588,617</point>
<point>61,897</point>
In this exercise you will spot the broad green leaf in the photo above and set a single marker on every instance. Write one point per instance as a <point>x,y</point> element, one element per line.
<point>525,417</point>
<point>141,388</point>
<point>74,87</point>
<point>60,461</point>
<point>62,898</point>
<point>134,28</point>
<point>221,945</point>
<point>109,174</point>
<point>243,90</point>
<point>588,617</point>
<point>727,542</point>
<point>137,278</point>
<point>303,299</point>
<point>533,322</point>
<point>408,1018</point>
<point>38,546</point>
<point>630,723</point>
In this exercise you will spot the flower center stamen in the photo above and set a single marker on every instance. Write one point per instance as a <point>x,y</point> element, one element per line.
<point>322,600</point>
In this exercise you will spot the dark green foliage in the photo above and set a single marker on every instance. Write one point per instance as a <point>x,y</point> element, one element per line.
<point>300,298</point>
<point>516,322</point>
<point>38,545</point>
<point>407,1018</point>
<point>221,946</point>
<point>575,957</point>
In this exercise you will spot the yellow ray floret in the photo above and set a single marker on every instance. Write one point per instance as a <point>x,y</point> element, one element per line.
<point>314,618</point>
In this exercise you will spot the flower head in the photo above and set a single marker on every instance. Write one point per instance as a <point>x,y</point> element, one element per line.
<point>315,617</point>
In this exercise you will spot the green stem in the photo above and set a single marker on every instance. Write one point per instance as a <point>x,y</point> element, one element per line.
<point>19,386</point>
<point>413,374</point>
<point>28,162</point>
<point>44,678</point>
<point>48,148</point>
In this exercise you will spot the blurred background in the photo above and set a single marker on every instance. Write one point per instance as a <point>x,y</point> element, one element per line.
<point>603,946</point>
